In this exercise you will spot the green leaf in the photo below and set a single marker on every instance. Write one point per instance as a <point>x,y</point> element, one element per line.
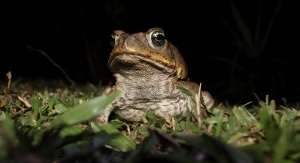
<point>85,111</point>
<point>271,130</point>
<point>231,122</point>
<point>61,108</point>
<point>187,92</point>
<point>35,104</point>
<point>219,124</point>
<point>282,146</point>
<point>237,134</point>
<point>119,142</point>
<point>51,101</point>
<point>8,138</point>
<point>149,118</point>
<point>291,115</point>
<point>243,116</point>
<point>212,120</point>
<point>70,131</point>
<point>117,123</point>
<point>192,127</point>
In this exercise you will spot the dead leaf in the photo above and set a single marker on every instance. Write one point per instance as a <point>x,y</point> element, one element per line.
<point>9,76</point>
<point>4,100</point>
<point>26,103</point>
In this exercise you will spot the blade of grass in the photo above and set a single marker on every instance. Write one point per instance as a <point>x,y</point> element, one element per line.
<point>85,111</point>
<point>119,142</point>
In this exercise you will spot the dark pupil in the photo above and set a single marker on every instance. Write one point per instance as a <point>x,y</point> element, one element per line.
<point>158,39</point>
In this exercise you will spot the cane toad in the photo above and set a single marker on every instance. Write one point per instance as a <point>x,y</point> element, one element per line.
<point>149,72</point>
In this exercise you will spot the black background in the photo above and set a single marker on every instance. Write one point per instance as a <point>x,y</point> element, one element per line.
<point>76,35</point>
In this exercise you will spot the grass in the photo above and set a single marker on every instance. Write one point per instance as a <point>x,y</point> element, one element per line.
<point>56,125</point>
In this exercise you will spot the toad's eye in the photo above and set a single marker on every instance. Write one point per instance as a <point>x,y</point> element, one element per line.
<point>158,38</point>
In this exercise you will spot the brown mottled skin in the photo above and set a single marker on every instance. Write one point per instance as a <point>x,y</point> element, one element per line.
<point>149,71</point>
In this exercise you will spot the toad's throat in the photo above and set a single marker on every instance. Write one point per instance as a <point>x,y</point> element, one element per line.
<point>141,78</point>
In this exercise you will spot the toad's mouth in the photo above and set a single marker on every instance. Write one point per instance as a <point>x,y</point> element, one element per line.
<point>136,62</point>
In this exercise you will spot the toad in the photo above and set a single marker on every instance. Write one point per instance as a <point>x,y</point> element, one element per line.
<point>151,75</point>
